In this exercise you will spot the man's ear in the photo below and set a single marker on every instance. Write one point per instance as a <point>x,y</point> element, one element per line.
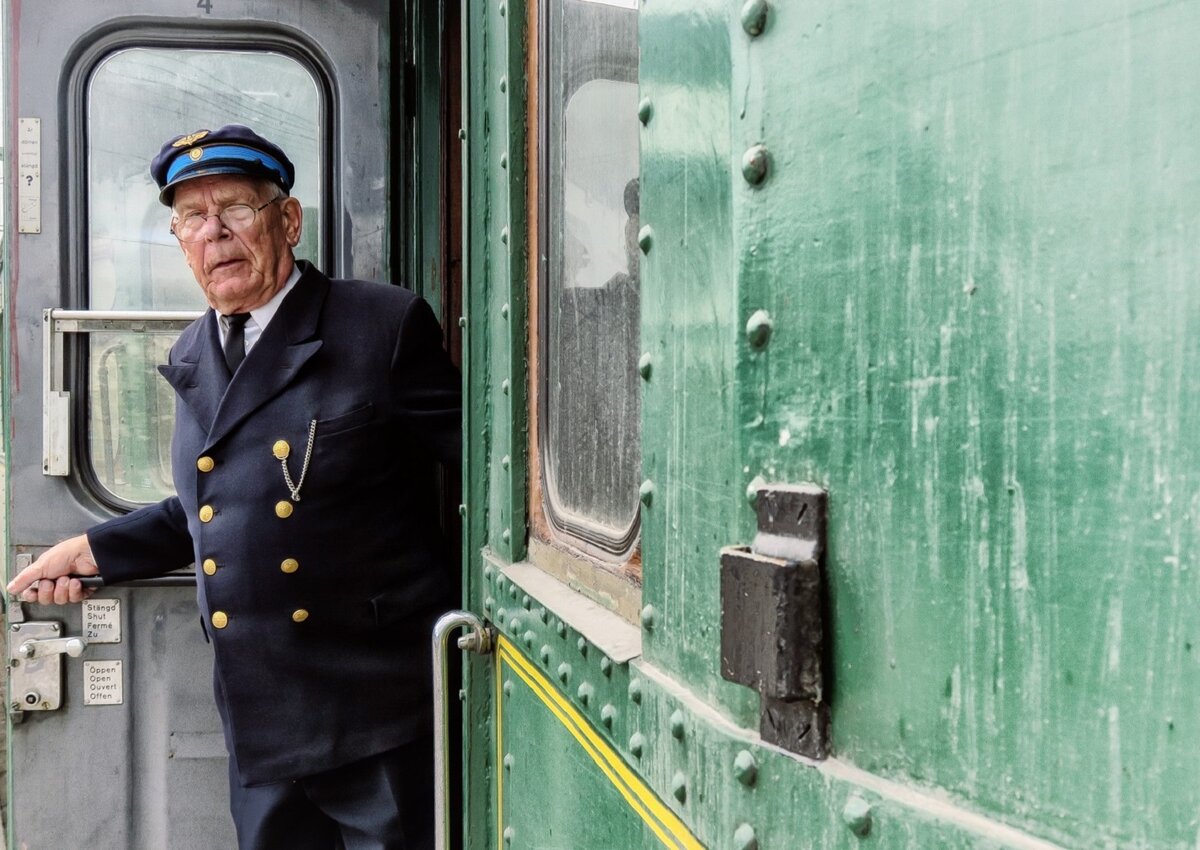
<point>293,219</point>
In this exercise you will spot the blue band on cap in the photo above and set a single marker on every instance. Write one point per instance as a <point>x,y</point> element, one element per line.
<point>222,154</point>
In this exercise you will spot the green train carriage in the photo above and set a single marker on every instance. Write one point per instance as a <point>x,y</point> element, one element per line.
<point>828,378</point>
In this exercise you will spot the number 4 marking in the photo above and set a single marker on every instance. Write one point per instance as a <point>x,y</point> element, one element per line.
<point>206,5</point>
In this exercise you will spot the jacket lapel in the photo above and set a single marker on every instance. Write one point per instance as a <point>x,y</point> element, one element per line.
<point>288,342</point>
<point>200,375</point>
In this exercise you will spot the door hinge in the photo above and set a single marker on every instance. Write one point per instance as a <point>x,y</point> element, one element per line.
<point>773,618</point>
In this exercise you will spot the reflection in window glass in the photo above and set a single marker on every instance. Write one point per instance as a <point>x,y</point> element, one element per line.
<point>592,451</point>
<point>133,261</point>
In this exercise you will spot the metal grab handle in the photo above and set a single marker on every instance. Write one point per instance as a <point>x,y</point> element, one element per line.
<point>479,641</point>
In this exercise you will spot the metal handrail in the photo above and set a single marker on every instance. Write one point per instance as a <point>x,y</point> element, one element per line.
<point>479,641</point>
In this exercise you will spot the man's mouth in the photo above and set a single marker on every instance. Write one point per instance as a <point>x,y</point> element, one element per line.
<point>224,264</point>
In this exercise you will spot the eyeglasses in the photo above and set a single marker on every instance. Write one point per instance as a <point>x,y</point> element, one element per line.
<point>235,217</point>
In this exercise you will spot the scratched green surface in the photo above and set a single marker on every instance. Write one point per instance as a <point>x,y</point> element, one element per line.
<point>978,246</point>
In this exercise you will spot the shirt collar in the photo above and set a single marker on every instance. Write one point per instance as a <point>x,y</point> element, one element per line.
<point>263,315</point>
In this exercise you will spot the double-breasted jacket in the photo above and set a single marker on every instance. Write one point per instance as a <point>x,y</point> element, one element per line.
<point>316,593</point>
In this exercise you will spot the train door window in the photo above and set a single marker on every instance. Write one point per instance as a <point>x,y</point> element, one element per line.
<point>137,98</point>
<point>588,295</point>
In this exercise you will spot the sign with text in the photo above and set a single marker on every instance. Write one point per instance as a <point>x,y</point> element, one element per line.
<point>103,683</point>
<point>102,620</point>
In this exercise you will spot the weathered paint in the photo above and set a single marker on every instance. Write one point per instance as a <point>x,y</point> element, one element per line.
<point>974,240</point>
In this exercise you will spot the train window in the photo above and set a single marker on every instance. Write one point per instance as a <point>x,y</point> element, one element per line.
<point>589,394</point>
<point>133,261</point>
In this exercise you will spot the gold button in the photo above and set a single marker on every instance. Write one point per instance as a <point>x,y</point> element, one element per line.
<point>210,567</point>
<point>220,619</point>
<point>290,565</point>
<point>205,464</point>
<point>281,449</point>
<point>206,513</point>
<point>299,615</point>
<point>283,510</point>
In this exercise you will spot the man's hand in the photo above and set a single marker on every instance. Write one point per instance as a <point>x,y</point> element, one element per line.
<point>46,580</point>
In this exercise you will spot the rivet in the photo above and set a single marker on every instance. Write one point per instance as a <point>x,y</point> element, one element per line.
<point>503,9</point>
<point>758,328</point>
<point>502,581</point>
<point>754,17</point>
<point>488,603</point>
<point>543,615</point>
<point>508,761</point>
<point>646,492</point>
<point>857,815</point>
<point>526,602</point>
<point>648,614</point>
<point>16,627</point>
<point>645,111</point>
<point>756,162</point>
<point>530,637</point>
<point>513,590</point>
<point>585,693</point>
<point>564,672</point>
<point>504,160</point>
<point>515,625</point>
<point>636,744</point>
<point>508,688</point>
<point>745,768</point>
<point>608,714</point>
<point>462,134</point>
<point>679,786</point>
<point>546,655</point>
<point>756,484</point>
<point>504,84</point>
<point>606,666</point>
<point>646,238</point>
<point>744,838</point>
<point>645,366</point>
<point>504,310</point>
<point>582,646</point>
<point>677,725</point>
<point>500,615</point>
<point>462,321</point>
<point>504,386</point>
<point>506,535</point>
<point>488,572</point>
<point>462,510</point>
<point>561,628</point>
<point>504,234</point>
<point>508,834</point>
<point>635,691</point>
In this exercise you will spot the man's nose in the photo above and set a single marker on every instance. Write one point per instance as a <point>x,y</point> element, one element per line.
<point>213,228</point>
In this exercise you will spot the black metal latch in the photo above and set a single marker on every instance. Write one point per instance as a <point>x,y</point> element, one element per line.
<point>772,623</point>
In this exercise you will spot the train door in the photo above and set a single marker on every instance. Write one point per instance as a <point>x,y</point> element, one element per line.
<point>114,740</point>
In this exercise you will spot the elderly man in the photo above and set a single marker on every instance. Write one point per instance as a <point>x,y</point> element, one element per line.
<point>309,414</point>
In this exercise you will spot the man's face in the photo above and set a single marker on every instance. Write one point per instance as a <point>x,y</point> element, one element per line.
<point>238,271</point>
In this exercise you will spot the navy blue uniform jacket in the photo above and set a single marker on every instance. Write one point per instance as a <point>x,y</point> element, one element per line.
<point>320,620</point>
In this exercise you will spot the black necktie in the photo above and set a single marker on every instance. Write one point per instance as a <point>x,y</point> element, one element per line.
<point>235,340</point>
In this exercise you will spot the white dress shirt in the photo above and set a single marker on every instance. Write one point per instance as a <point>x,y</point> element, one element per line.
<point>260,317</point>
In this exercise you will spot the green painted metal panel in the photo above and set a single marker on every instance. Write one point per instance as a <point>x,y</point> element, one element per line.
<point>689,330</point>
<point>975,243</point>
<point>977,247</point>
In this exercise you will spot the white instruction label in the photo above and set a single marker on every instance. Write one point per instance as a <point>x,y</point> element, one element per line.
<point>102,683</point>
<point>29,175</point>
<point>102,620</point>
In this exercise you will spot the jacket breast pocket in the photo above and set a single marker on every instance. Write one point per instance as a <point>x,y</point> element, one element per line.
<point>348,421</point>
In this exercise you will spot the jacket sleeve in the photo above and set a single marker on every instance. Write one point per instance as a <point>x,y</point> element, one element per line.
<point>149,542</point>
<point>428,385</point>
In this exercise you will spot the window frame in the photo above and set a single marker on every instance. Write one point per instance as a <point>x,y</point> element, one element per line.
<point>609,571</point>
<point>74,166</point>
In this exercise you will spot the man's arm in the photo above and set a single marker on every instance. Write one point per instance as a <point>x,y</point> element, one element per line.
<point>148,542</point>
<point>47,580</point>
<point>429,385</point>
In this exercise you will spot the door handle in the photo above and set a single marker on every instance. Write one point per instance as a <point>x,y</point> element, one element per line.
<point>72,646</point>
<point>478,640</point>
